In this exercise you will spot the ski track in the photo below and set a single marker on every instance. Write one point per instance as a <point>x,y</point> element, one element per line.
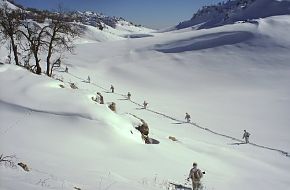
<point>181,121</point>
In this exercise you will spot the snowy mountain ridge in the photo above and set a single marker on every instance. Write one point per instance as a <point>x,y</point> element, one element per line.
<point>96,26</point>
<point>101,28</point>
<point>9,4</point>
<point>100,20</point>
<point>232,11</point>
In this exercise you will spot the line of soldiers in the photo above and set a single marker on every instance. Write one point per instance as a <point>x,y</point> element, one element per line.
<point>100,99</point>
<point>246,134</point>
<point>195,174</point>
<point>143,128</point>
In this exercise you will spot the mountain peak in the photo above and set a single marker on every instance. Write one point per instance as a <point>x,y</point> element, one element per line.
<point>235,10</point>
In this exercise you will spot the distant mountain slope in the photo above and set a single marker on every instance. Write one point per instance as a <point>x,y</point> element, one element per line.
<point>96,26</point>
<point>9,5</point>
<point>99,27</point>
<point>100,20</point>
<point>235,10</point>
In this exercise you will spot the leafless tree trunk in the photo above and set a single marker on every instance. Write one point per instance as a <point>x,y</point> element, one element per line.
<point>34,35</point>
<point>8,160</point>
<point>61,34</point>
<point>9,25</point>
<point>9,55</point>
<point>56,64</point>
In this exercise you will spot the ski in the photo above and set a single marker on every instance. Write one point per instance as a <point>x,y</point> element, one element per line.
<point>179,186</point>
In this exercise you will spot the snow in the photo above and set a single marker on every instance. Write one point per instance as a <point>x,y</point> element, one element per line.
<point>101,28</point>
<point>93,34</point>
<point>235,10</point>
<point>228,78</point>
<point>122,31</point>
<point>9,5</point>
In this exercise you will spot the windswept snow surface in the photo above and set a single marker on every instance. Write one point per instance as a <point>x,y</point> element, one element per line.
<point>228,79</point>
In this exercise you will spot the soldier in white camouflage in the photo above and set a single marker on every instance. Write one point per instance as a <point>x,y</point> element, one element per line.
<point>187,117</point>
<point>145,105</point>
<point>246,136</point>
<point>129,96</point>
<point>195,175</point>
<point>112,89</point>
<point>144,130</point>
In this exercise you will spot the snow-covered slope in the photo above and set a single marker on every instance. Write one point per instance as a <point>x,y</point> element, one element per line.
<point>99,27</point>
<point>235,10</point>
<point>229,78</point>
<point>95,27</point>
<point>93,34</point>
<point>9,5</point>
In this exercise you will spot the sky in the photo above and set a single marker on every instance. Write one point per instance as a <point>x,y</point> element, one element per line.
<point>155,14</point>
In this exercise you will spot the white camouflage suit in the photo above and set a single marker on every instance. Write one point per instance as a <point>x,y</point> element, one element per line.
<point>195,181</point>
<point>246,136</point>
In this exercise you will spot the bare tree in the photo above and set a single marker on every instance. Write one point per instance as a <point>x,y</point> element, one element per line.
<point>8,161</point>
<point>10,21</point>
<point>60,38</point>
<point>54,35</point>
<point>35,35</point>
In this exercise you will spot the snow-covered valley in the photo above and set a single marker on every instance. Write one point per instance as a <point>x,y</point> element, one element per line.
<point>228,78</point>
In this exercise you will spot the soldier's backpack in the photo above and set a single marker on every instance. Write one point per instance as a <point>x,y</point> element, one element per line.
<point>197,174</point>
